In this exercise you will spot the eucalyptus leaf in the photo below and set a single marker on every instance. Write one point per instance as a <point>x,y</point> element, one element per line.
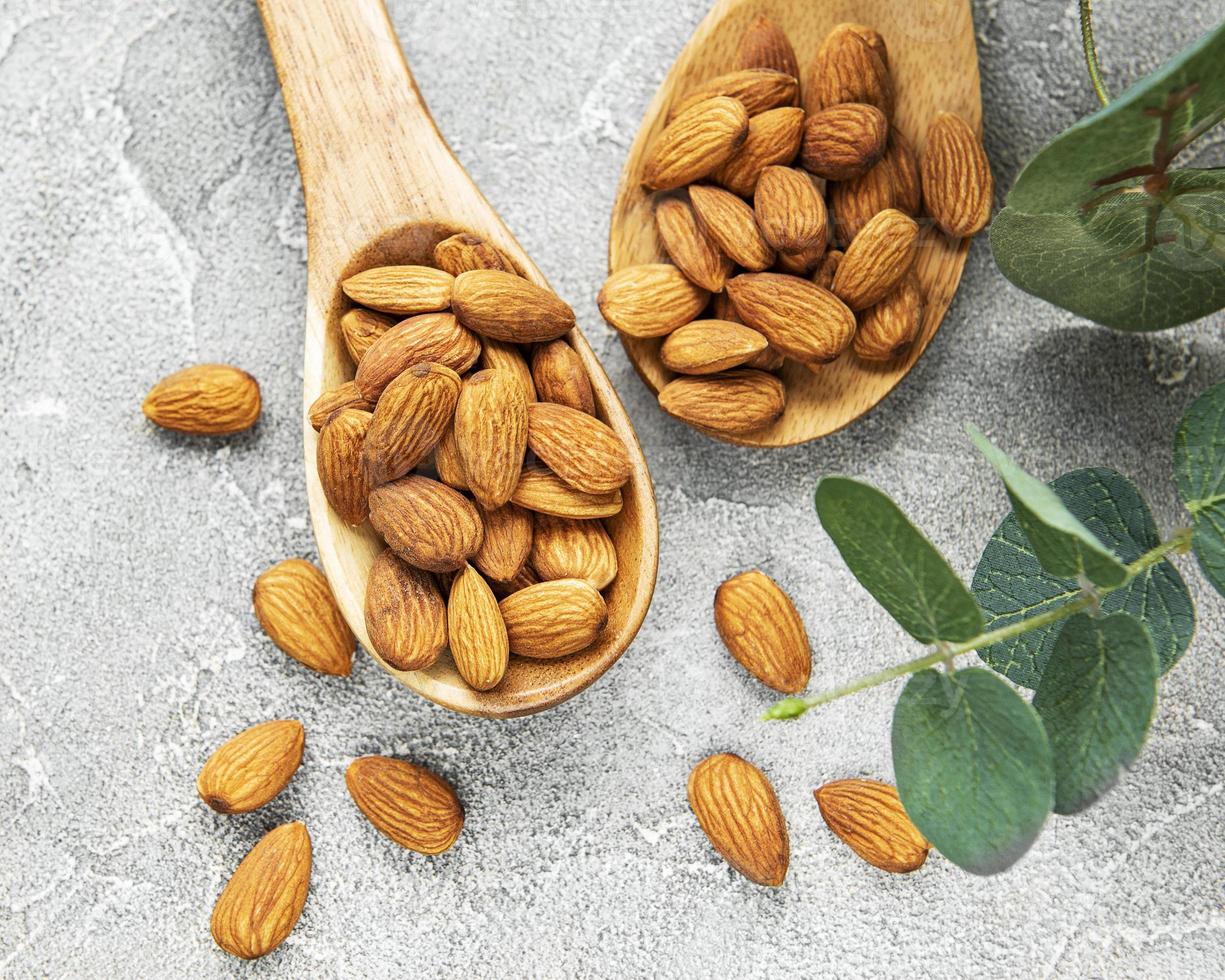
<point>894,561</point>
<point>1096,701</point>
<point>973,767</point>
<point>1010,583</point>
<point>1199,471</point>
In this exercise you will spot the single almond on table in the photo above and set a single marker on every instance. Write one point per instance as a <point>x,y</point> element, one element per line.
<point>554,619</point>
<point>957,181</point>
<point>847,69</point>
<point>426,523</point>
<point>870,819</point>
<point>543,491</point>
<point>448,462</point>
<point>338,460</point>
<point>252,767</point>
<point>650,300</point>
<point>904,171</point>
<point>743,400</point>
<point>435,337</point>
<point>774,138</point>
<point>491,433</point>
<point>566,548</point>
<point>823,277</point>
<point>760,626</point>
<point>710,346</point>
<point>765,45</point>
<point>857,201</point>
<point>731,224</point>
<point>799,319</point>
<point>263,899</point>
<point>559,376</point>
<point>756,89</point>
<point>463,253</point>
<point>497,355</point>
<point>326,405</point>
<point>738,811</point>
<point>476,633</point>
<point>506,543</point>
<point>204,400</point>
<point>843,141</point>
<point>410,418</point>
<point>406,616</point>
<point>695,142</point>
<point>579,448</point>
<point>887,329</point>
<point>361,328</point>
<point>688,246</point>
<point>403,289</point>
<point>877,260</point>
<point>296,608</point>
<point>507,307</point>
<point>409,804</point>
<point>790,210</point>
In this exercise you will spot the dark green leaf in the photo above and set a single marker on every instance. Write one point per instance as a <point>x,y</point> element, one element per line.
<point>1010,584</point>
<point>896,563</point>
<point>1199,471</point>
<point>973,767</point>
<point>1063,545</point>
<point>1096,701</point>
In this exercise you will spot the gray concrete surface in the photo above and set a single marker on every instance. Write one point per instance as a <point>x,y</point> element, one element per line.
<point>151,216</point>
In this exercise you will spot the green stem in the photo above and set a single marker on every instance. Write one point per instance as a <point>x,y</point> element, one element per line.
<point>1086,40</point>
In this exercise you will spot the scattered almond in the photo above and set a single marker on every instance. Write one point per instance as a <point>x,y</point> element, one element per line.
<point>407,803</point>
<point>252,767</point>
<point>204,400</point>
<point>553,619</point>
<point>870,819</point>
<point>957,182</point>
<point>857,201</point>
<point>405,614</point>
<point>737,809</point>
<point>759,625</point>
<point>296,608</point>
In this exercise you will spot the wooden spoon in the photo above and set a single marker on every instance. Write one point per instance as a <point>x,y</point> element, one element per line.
<point>934,66</point>
<point>381,188</point>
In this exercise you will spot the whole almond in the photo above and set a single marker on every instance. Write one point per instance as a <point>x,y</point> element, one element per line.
<point>565,548</point>
<point>739,812</point>
<point>448,462</point>
<point>710,346</point>
<point>403,289</point>
<point>843,141</point>
<point>855,202</point>
<point>799,319</point>
<point>338,459</point>
<point>800,263</point>
<point>757,89</point>
<point>742,400</point>
<point>296,608</point>
<point>650,300</point>
<point>426,523</point>
<point>790,210</point>
<point>406,616</point>
<point>326,405</point>
<point>410,418</point>
<point>957,181</point>
<point>253,767</point>
<point>759,625</point>
<point>543,491</point>
<point>847,69</point>
<point>506,307</point>
<point>904,171</point>
<point>578,447</point>
<point>463,253</point>
<point>877,260</point>
<point>435,337</point>
<point>497,355</point>
<point>695,142</point>
<point>823,277</point>
<point>361,328</point>
<point>869,817</point>
<point>476,632</point>
<point>407,803</point>
<point>774,138</point>
<point>262,901</point>
<point>730,224</point>
<point>506,543</point>
<point>887,329</point>
<point>559,376</point>
<point>688,246</point>
<point>765,45</point>
<point>491,433</point>
<point>553,619</point>
<point>204,400</point>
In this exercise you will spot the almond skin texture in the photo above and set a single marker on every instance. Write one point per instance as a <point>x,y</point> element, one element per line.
<point>873,39</point>
<point>564,548</point>
<point>410,418</point>
<point>434,337</point>
<point>330,402</point>
<point>448,462</point>
<point>252,767</point>
<point>738,811</point>
<point>403,289</point>
<point>799,263</point>
<point>774,138</point>
<point>957,181</point>
<point>759,625</point>
<point>476,631</point>
<point>790,210</point>
<point>523,578</point>
<point>579,448</point>
<point>742,400</point>
<point>877,260</point>
<point>843,141</point>
<point>689,247</point>
<point>847,69</point>
<point>462,253</point>
<point>768,360</point>
<point>857,201</point>
<point>406,803</point>
<point>799,319</point>
<point>204,400</point>
<point>731,225</point>
<point>695,142</point>
<point>543,491</point>
<point>491,432</point>
<point>405,614</point>
<point>650,300</point>
<point>904,170</point>
<point>710,346</point>
<point>361,328</point>
<point>823,277</point>
<point>559,377</point>
<point>426,523</point>
<point>507,542</point>
<point>870,819</point>
<point>497,355</point>
<point>553,619</point>
<point>338,459</point>
<point>296,608</point>
<point>507,307</point>
<point>263,899</point>
<point>757,89</point>
<point>765,45</point>
<point>887,329</point>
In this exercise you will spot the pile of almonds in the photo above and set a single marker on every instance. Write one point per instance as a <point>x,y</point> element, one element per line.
<point>773,261</point>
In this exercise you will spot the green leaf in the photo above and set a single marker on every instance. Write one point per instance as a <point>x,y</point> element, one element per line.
<point>1199,471</point>
<point>896,563</point>
<point>1010,584</point>
<point>1063,545</point>
<point>1096,701</point>
<point>1089,227</point>
<point>973,767</point>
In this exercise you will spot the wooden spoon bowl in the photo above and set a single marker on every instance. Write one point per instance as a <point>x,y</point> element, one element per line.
<point>934,65</point>
<point>382,188</point>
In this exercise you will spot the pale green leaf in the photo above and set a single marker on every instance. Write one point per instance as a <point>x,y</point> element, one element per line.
<point>1199,471</point>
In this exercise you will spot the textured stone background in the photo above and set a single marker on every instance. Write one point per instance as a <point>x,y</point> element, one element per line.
<point>151,216</point>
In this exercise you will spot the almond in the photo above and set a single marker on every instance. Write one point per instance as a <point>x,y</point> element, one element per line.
<point>435,337</point>
<point>881,254</point>
<point>523,578</point>
<point>759,625</point>
<point>497,355</point>
<point>957,182</point>
<point>448,462</point>
<point>426,523</point>
<point>709,346</point>
<point>463,253</point>
<point>873,39</point>
<point>579,448</point>
<point>869,817</point>
<point>506,543</point>
<point>904,171</point>
<point>695,142</point>
<point>847,69</point>
<point>252,767</point>
<point>403,289</point>
<point>823,277</point>
<point>799,319</point>
<point>476,631</point>
<point>738,811</point>
<point>491,433</point>
<point>507,307</point>
<point>790,210</point>
<point>774,138</point>
<point>407,803</point>
<point>204,400</point>
<point>361,328</point>
<point>405,614</point>
<point>330,402</point>
<point>338,459</point>
<point>887,329</point>
<point>565,548</point>
<point>410,418</point>
<point>768,360</point>
<point>857,201</point>
<point>263,899</point>
<point>843,141</point>
<point>296,608</point>
<point>757,89</point>
<point>743,400</point>
<point>722,308</point>
<point>545,492</point>
<point>560,377</point>
<point>650,300</point>
<point>765,45</point>
<point>800,263</point>
<point>688,246</point>
<point>553,619</point>
<point>731,225</point>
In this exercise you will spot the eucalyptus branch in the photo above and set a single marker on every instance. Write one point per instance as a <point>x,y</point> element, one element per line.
<point>1086,40</point>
